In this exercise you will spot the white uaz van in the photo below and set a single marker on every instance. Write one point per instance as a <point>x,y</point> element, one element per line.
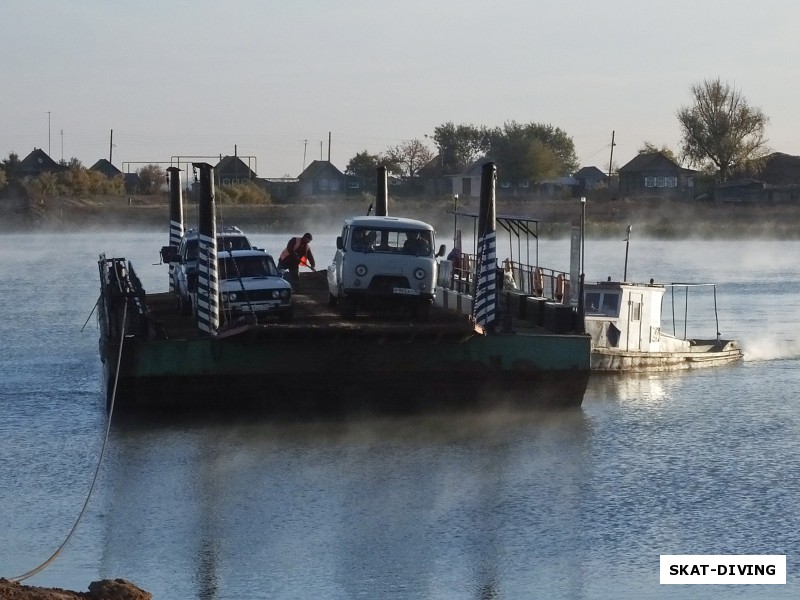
<point>384,261</point>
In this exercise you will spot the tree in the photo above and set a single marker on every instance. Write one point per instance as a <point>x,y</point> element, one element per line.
<point>3,178</point>
<point>363,165</point>
<point>152,177</point>
<point>531,152</point>
<point>10,164</point>
<point>410,156</point>
<point>721,130</point>
<point>459,145</point>
<point>650,148</point>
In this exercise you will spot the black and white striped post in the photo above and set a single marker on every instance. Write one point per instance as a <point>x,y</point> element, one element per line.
<point>207,281</point>
<point>485,308</point>
<point>382,195</point>
<point>175,212</point>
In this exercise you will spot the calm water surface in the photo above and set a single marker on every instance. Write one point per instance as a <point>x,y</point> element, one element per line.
<point>575,505</point>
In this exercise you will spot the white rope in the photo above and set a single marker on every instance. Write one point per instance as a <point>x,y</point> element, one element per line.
<point>46,563</point>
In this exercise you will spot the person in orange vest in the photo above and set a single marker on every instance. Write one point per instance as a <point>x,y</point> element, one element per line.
<point>297,253</point>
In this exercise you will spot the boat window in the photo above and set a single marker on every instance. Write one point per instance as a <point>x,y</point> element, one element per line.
<point>636,311</point>
<point>593,303</point>
<point>610,306</point>
<point>602,303</point>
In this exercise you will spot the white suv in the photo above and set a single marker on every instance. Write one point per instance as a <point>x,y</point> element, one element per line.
<point>184,270</point>
<point>250,285</point>
<point>384,261</point>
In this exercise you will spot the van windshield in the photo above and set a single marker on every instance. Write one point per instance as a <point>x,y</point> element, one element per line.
<point>392,241</point>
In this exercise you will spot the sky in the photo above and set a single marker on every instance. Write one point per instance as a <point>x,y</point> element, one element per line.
<point>284,83</point>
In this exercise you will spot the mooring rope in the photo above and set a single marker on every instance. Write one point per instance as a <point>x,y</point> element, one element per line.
<point>91,313</point>
<point>46,563</point>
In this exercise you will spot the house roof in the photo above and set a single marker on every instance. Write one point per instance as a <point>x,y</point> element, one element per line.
<point>316,168</point>
<point>234,164</point>
<point>37,162</point>
<point>652,161</point>
<point>589,173</point>
<point>475,168</point>
<point>106,168</point>
<point>781,169</point>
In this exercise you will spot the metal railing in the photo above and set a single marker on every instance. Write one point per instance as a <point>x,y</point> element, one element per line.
<point>529,280</point>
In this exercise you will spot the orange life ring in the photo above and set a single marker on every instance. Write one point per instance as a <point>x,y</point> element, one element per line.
<point>538,281</point>
<point>560,287</point>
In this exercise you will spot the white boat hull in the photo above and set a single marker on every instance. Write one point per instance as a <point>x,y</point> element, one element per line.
<point>700,356</point>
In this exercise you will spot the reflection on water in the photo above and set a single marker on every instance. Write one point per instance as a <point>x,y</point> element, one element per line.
<point>356,506</point>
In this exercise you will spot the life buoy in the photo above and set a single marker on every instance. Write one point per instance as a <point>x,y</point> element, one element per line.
<point>561,286</point>
<point>538,282</point>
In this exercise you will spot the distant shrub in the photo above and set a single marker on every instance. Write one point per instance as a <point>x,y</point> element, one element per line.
<point>243,193</point>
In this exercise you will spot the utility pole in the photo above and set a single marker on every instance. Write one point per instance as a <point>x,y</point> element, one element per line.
<point>329,146</point>
<point>111,146</point>
<point>62,145</point>
<point>305,147</point>
<point>611,160</point>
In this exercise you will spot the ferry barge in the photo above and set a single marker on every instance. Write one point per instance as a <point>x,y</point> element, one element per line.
<point>319,362</point>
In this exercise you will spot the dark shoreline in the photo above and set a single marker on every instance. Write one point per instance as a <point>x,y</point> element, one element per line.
<point>649,218</point>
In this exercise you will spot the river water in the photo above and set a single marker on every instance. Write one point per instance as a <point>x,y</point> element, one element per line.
<point>573,505</point>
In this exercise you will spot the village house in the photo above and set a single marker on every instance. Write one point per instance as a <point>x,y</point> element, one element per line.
<point>655,174</point>
<point>36,163</point>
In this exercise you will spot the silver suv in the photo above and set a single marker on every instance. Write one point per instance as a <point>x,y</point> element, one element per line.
<point>184,270</point>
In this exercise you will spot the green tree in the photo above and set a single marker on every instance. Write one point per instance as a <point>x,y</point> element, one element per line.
<point>650,148</point>
<point>459,145</point>
<point>410,156</point>
<point>10,164</point>
<point>3,178</point>
<point>721,132</point>
<point>363,165</point>
<point>531,152</point>
<point>152,177</point>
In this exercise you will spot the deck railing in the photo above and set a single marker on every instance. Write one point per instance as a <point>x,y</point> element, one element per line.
<point>529,280</point>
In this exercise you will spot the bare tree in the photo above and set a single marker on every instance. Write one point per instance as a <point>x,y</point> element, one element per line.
<point>152,178</point>
<point>721,131</point>
<point>410,156</point>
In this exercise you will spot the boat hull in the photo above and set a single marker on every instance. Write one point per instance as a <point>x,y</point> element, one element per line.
<point>610,360</point>
<point>325,373</point>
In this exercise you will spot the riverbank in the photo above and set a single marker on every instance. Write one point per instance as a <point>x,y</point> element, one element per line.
<point>107,589</point>
<point>663,219</point>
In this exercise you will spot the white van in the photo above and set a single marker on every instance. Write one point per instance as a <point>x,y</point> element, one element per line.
<point>384,261</point>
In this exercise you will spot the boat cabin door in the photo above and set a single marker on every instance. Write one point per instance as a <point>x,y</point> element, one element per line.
<point>634,337</point>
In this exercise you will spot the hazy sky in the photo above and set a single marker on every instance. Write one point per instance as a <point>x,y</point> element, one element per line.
<point>179,78</point>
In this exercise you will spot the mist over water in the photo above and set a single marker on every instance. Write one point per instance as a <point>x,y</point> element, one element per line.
<point>498,504</point>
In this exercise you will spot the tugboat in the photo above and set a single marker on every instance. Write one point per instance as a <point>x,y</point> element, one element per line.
<point>624,320</point>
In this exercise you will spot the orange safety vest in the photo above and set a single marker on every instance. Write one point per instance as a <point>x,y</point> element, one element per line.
<point>298,247</point>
